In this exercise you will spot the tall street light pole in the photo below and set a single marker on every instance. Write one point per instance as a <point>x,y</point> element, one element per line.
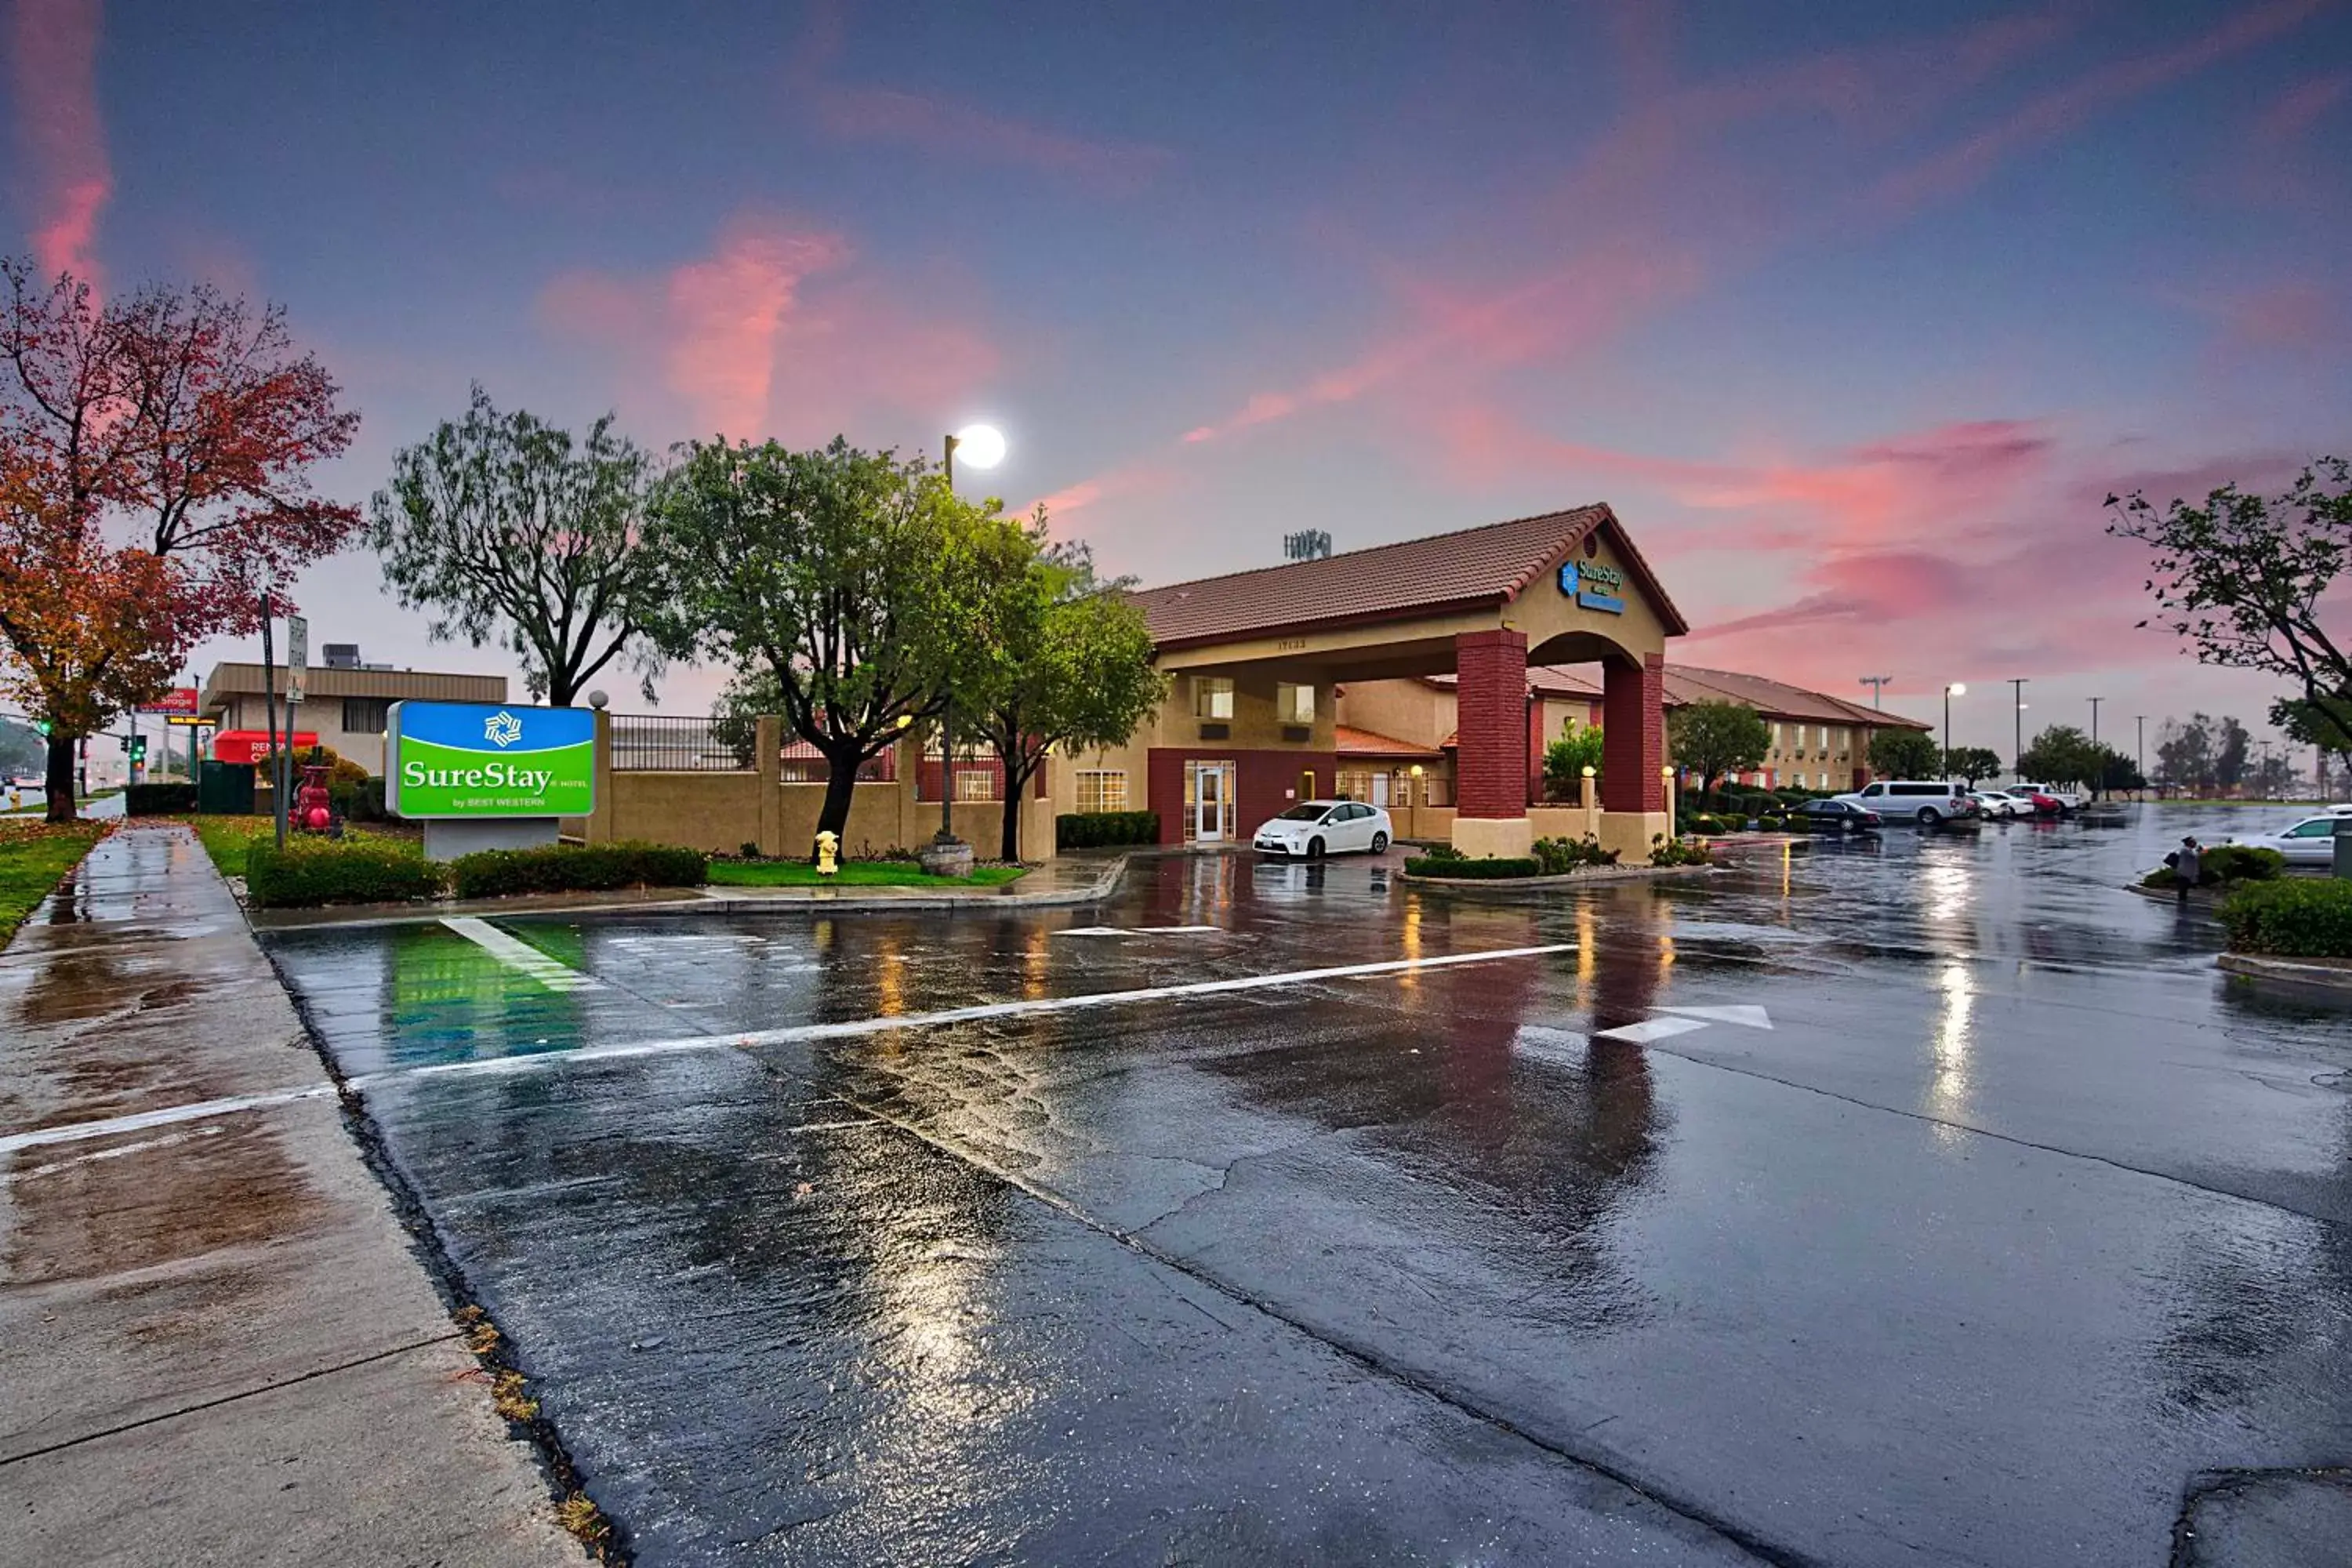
<point>2094,718</point>
<point>2017,741</point>
<point>1877,684</point>
<point>1951,689</point>
<point>2139,752</point>
<point>983,448</point>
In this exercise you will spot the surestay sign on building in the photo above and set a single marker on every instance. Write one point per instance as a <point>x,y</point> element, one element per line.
<point>473,760</point>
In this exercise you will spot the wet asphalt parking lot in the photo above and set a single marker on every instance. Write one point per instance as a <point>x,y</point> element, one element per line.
<point>1920,1202</point>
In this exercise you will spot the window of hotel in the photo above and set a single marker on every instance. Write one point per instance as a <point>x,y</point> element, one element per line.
<point>1776,737</point>
<point>1102,789</point>
<point>1294,704</point>
<point>1212,697</point>
<point>365,715</point>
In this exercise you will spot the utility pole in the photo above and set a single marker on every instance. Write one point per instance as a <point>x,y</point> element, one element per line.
<point>2017,744</point>
<point>1877,684</point>
<point>2094,718</point>
<point>2139,753</point>
<point>269,712</point>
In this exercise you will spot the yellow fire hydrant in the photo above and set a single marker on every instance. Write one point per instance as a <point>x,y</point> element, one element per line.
<point>827,863</point>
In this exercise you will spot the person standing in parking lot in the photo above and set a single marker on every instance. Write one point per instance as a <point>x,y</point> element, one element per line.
<point>2188,869</point>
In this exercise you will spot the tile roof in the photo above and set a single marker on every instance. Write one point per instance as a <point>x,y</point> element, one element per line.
<point>1690,683</point>
<point>1353,743</point>
<point>1441,572</point>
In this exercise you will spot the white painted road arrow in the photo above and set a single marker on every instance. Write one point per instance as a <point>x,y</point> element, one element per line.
<point>1743,1014</point>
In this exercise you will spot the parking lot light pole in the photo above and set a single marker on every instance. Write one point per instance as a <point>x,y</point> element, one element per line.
<point>1951,689</point>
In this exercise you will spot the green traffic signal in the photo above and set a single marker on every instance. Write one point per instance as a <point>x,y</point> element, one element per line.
<point>42,725</point>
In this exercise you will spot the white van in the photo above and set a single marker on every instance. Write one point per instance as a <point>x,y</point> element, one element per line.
<point>1911,800</point>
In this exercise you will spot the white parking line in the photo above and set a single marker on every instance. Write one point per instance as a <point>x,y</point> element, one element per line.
<point>518,955</point>
<point>74,1132</point>
<point>851,1028</point>
<point>847,1029</point>
<point>1649,1029</point>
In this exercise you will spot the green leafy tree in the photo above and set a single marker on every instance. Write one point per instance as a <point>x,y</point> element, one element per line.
<point>1566,759</point>
<point>2118,771</point>
<point>2062,754</point>
<point>501,526</point>
<point>1716,737</point>
<point>1971,763</point>
<point>2243,579</point>
<point>1903,754</point>
<point>830,573</point>
<point>2326,724</point>
<point>2232,744</point>
<point>2184,754</point>
<point>1066,663</point>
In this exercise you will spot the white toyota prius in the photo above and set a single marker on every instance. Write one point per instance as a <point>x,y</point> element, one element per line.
<point>1314,828</point>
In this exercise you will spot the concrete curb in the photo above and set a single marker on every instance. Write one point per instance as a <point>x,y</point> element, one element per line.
<point>2336,976</point>
<point>687,901</point>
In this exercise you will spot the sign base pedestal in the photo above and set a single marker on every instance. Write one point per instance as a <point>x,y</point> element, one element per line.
<point>445,839</point>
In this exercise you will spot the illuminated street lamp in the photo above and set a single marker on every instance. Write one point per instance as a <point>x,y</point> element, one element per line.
<point>982,446</point>
<point>1955,689</point>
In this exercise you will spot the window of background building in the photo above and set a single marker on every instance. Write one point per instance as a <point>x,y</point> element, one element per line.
<point>366,715</point>
<point>1212,697</point>
<point>1102,789</point>
<point>1776,737</point>
<point>1294,704</point>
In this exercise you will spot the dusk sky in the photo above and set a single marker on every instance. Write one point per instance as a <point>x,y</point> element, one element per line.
<point>1853,312</point>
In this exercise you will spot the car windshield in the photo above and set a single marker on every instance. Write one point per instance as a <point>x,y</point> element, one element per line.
<point>1302,814</point>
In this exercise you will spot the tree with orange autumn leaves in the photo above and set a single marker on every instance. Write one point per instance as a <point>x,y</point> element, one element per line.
<point>154,454</point>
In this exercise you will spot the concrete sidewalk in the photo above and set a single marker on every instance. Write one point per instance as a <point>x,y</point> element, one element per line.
<point>217,1343</point>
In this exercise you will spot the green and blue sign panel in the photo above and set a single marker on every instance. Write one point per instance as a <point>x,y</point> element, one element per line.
<point>477,761</point>
<point>1595,585</point>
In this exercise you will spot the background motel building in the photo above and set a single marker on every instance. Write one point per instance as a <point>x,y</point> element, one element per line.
<point>1461,655</point>
<point>343,704</point>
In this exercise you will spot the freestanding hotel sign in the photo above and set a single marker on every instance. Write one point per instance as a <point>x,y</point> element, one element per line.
<point>482,776</point>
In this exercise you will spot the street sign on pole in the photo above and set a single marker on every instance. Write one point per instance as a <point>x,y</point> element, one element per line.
<point>297,657</point>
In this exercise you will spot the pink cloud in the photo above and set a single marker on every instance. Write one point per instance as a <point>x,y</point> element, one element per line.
<point>778,330</point>
<point>53,53</point>
<point>2045,118</point>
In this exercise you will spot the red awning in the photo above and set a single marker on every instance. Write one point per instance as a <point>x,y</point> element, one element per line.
<point>253,746</point>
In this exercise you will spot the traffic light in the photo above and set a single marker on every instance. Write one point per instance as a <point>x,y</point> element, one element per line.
<point>138,748</point>
<point>43,726</point>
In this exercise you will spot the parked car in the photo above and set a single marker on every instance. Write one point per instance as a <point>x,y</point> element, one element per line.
<point>1994,802</point>
<point>1835,817</point>
<point>2311,842</point>
<point>2067,799</point>
<point>1314,828</point>
<point>1921,801</point>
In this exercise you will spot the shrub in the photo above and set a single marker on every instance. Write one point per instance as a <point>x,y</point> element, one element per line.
<point>1445,852</point>
<point>2298,919</point>
<point>577,868</point>
<point>311,871</point>
<point>1491,868</point>
<point>1665,851</point>
<point>360,801</point>
<point>2226,863</point>
<point>156,799</point>
<point>1092,829</point>
<point>1559,856</point>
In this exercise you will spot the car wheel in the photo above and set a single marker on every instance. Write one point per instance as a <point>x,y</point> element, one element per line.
<point>1380,843</point>
<point>1315,849</point>
<point>1929,817</point>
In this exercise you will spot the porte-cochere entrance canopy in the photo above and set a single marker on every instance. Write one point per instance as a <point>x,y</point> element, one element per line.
<point>1567,588</point>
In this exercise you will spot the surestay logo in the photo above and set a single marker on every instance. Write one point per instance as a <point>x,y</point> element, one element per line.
<point>502,729</point>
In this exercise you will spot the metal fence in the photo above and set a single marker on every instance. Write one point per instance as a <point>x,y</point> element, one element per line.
<point>652,743</point>
<point>804,764</point>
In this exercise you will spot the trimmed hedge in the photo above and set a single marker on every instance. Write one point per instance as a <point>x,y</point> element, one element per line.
<point>2226,863</point>
<point>311,871</point>
<point>1094,829</point>
<point>158,799</point>
<point>577,868</point>
<point>1491,868</point>
<point>2298,919</point>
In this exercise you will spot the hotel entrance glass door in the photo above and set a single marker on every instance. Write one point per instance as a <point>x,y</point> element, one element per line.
<point>1213,800</point>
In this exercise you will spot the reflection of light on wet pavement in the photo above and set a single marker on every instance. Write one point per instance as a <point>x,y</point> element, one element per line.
<point>1411,938</point>
<point>1587,940</point>
<point>1947,1090</point>
<point>1034,955</point>
<point>1947,885</point>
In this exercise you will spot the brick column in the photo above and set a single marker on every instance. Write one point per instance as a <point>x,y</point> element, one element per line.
<point>1537,741</point>
<point>1491,670</point>
<point>1634,735</point>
